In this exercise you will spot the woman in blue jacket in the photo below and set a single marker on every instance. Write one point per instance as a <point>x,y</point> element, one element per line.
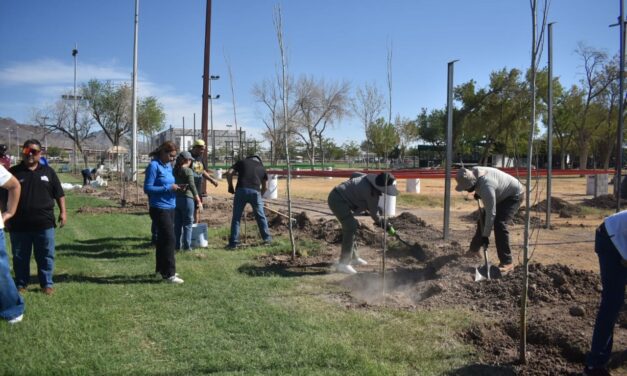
<point>161,190</point>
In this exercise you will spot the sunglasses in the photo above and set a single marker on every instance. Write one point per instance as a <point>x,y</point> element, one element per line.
<point>30,151</point>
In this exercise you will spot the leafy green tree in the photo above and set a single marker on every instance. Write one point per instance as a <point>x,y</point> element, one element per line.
<point>383,136</point>
<point>110,106</point>
<point>568,108</point>
<point>150,116</point>
<point>351,149</point>
<point>594,83</point>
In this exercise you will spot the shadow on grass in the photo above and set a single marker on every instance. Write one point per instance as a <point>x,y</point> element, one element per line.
<point>284,270</point>
<point>105,248</point>
<point>482,370</point>
<point>108,280</point>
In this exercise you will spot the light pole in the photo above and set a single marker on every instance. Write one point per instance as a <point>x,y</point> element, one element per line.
<point>74,53</point>
<point>213,136</point>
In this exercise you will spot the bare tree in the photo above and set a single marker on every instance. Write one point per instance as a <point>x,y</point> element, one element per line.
<point>59,118</point>
<point>317,106</point>
<point>367,106</point>
<point>269,93</point>
<point>278,25</point>
<point>537,39</point>
<point>594,84</point>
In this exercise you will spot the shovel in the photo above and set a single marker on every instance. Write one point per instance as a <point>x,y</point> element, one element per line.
<point>482,272</point>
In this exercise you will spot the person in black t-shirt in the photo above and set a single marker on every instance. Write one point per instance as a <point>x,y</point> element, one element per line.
<point>32,227</point>
<point>251,185</point>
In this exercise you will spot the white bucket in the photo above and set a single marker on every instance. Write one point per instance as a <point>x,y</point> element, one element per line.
<point>413,186</point>
<point>200,235</point>
<point>273,187</point>
<point>329,169</point>
<point>390,204</point>
<point>219,174</point>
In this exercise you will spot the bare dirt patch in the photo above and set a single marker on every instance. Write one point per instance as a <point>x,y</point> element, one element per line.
<point>426,272</point>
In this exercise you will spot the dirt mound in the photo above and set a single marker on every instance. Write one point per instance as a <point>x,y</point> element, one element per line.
<point>128,209</point>
<point>563,207</point>
<point>426,272</point>
<point>604,202</point>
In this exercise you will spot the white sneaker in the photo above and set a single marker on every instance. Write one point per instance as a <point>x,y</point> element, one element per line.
<point>346,269</point>
<point>359,261</point>
<point>174,279</point>
<point>16,320</point>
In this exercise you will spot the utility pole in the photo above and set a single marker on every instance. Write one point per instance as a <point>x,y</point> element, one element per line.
<point>134,98</point>
<point>205,85</point>
<point>74,54</point>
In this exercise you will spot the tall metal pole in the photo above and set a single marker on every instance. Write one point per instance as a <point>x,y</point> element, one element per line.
<point>182,147</point>
<point>74,54</point>
<point>549,132</point>
<point>134,98</point>
<point>621,107</point>
<point>213,135</point>
<point>194,136</point>
<point>205,85</point>
<point>449,149</point>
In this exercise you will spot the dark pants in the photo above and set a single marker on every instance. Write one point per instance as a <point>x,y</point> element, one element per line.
<point>505,212</point>
<point>613,279</point>
<point>164,221</point>
<point>344,214</point>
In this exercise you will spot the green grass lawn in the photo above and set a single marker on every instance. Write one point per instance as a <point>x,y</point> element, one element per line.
<point>110,315</point>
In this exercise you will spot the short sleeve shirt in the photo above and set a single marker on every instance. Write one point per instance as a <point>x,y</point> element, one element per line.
<point>5,176</point>
<point>250,173</point>
<point>40,189</point>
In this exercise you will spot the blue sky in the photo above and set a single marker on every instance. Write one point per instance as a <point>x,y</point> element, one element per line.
<point>330,39</point>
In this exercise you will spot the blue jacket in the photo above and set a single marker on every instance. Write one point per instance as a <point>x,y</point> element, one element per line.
<point>157,183</point>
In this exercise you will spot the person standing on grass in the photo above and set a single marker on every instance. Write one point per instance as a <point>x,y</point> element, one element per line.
<point>361,192</point>
<point>11,303</point>
<point>161,190</point>
<point>610,244</point>
<point>186,197</point>
<point>32,226</point>
<point>501,194</point>
<point>199,167</point>
<point>252,183</point>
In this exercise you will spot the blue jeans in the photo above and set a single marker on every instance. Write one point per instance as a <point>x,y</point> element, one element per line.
<point>613,279</point>
<point>183,220</point>
<point>242,197</point>
<point>11,303</point>
<point>42,243</point>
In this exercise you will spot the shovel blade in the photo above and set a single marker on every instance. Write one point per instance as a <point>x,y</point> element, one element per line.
<point>481,273</point>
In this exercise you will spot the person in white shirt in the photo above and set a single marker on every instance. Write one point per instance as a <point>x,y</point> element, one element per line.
<point>610,244</point>
<point>11,303</point>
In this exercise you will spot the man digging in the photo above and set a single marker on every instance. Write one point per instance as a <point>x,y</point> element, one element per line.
<point>501,194</point>
<point>361,192</point>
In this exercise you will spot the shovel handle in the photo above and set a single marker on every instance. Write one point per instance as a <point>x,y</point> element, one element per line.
<point>487,264</point>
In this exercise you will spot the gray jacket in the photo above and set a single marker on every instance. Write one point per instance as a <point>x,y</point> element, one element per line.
<point>360,195</point>
<point>494,186</point>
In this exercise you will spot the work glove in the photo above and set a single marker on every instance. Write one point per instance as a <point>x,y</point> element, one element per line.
<point>476,196</point>
<point>485,241</point>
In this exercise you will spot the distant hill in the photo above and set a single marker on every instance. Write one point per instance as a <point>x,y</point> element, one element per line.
<point>12,132</point>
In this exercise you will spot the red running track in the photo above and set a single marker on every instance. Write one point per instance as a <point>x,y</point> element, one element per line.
<point>437,173</point>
